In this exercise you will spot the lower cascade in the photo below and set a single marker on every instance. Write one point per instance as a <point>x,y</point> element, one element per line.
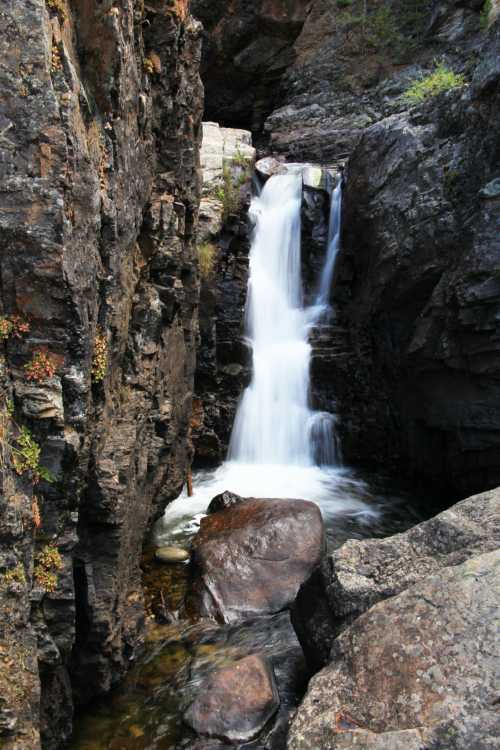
<point>280,446</point>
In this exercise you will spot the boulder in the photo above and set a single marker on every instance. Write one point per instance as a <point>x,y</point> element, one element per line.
<point>224,500</point>
<point>251,558</point>
<point>361,573</point>
<point>416,671</point>
<point>236,702</point>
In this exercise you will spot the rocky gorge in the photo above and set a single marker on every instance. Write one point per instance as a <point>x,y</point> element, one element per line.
<point>124,268</point>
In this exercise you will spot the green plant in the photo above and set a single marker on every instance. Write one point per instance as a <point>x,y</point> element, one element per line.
<point>207,253</point>
<point>14,575</point>
<point>42,367</point>
<point>344,3</point>
<point>48,563</point>
<point>58,7</point>
<point>99,357</point>
<point>485,14</point>
<point>442,79</point>
<point>383,30</point>
<point>228,193</point>
<point>26,457</point>
<point>13,325</point>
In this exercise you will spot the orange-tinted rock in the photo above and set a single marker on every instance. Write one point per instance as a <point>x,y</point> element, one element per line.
<point>236,702</point>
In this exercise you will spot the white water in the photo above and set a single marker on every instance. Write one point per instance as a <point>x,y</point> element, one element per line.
<point>279,447</point>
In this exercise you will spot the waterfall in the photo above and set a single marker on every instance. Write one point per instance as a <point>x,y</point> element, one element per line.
<point>333,244</point>
<point>271,425</point>
<point>279,446</point>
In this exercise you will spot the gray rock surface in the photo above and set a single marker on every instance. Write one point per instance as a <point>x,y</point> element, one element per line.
<point>361,573</point>
<point>419,670</point>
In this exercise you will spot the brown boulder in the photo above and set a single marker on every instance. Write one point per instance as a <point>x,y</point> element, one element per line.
<point>235,703</point>
<point>251,558</point>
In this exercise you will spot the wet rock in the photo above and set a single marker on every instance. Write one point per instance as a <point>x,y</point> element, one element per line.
<point>251,558</point>
<point>361,573</point>
<point>171,554</point>
<point>223,501</point>
<point>236,702</point>
<point>97,253</point>
<point>415,671</point>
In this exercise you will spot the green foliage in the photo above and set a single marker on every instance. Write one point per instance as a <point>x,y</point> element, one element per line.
<point>12,325</point>
<point>383,30</point>
<point>26,457</point>
<point>442,79</point>
<point>48,562</point>
<point>228,193</point>
<point>14,575</point>
<point>100,357</point>
<point>344,3</point>
<point>485,14</point>
<point>207,253</point>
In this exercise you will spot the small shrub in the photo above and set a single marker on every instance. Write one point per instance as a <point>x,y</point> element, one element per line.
<point>148,66</point>
<point>485,14</point>
<point>48,563</point>
<point>5,328</point>
<point>14,325</point>
<point>26,457</point>
<point>442,79</point>
<point>100,357</point>
<point>207,253</point>
<point>57,6</point>
<point>41,368</point>
<point>228,194</point>
<point>344,3</point>
<point>14,575</point>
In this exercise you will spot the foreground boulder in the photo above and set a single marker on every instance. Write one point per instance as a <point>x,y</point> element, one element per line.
<point>361,573</point>
<point>416,671</point>
<point>250,559</point>
<point>235,703</point>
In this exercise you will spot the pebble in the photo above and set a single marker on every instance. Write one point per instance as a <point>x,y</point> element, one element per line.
<point>171,554</point>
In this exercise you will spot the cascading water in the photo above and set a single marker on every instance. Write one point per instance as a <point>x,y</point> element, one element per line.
<point>333,244</point>
<point>280,447</point>
<point>271,425</point>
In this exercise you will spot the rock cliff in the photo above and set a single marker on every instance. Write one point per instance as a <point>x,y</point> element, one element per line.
<point>100,125</point>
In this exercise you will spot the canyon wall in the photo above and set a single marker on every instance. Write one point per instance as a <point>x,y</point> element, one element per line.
<point>100,126</point>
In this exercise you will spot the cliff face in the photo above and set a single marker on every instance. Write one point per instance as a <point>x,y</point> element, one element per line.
<point>420,275</point>
<point>100,125</point>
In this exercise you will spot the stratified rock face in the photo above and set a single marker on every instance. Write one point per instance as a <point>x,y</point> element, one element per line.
<point>419,291</point>
<point>99,123</point>
<point>236,702</point>
<point>415,671</point>
<point>223,363</point>
<point>251,558</point>
<point>247,47</point>
<point>361,573</point>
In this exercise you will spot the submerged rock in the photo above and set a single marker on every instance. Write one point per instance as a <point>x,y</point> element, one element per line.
<point>251,558</point>
<point>361,573</point>
<point>171,554</point>
<point>235,703</point>
<point>414,672</point>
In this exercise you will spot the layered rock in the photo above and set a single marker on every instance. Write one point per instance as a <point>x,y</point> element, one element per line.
<point>222,370</point>
<point>361,573</point>
<point>245,563</point>
<point>418,291</point>
<point>415,671</point>
<point>100,127</point>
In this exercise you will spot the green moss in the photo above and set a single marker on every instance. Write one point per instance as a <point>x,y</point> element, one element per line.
<point>14,575</point>
<point>485,14</point>
<point>442,79</point>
